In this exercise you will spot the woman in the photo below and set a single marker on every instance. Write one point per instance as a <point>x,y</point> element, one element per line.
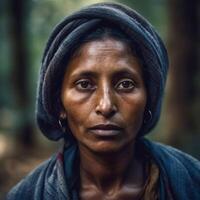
<point>100,88</point>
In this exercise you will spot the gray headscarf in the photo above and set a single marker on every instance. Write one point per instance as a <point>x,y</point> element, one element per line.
<point>70,32</point>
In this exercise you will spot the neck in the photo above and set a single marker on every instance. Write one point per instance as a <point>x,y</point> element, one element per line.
<point>108,170</point>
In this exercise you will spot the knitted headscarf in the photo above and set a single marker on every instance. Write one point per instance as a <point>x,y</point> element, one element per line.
<point>70,32</point>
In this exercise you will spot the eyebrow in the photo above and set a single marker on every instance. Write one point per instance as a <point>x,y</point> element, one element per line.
<point>85,73</point>
<point>117,73</point>
<point>125,72</point>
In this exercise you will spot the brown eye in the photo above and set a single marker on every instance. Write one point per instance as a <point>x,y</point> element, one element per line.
<point>126,85</point>
<point>84,85</point>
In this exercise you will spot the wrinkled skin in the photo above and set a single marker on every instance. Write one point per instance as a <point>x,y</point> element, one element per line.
<point>104,98</point>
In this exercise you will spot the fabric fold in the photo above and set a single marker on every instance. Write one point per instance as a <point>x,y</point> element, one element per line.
<point>67,36</point>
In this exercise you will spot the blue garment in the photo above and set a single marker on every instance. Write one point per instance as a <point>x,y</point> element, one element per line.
<point>57,178</point>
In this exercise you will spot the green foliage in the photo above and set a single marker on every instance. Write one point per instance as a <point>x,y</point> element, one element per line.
<point>154,10</point>
<point>42,16</point>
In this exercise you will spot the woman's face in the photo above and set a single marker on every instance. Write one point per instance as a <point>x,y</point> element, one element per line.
<point>104,95</point>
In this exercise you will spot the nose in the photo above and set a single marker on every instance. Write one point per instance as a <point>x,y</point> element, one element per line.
<point>106,103</point>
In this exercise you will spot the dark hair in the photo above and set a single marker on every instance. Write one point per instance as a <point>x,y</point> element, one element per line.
<point>106,30</point>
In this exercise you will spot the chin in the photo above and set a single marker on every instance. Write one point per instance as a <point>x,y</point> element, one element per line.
<point>107,147</point>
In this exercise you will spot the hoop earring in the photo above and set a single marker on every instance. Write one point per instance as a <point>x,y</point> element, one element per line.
<point>147,116</point>
<point>62,124</point>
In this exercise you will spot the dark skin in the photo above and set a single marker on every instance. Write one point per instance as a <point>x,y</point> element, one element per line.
<point>104,98</point>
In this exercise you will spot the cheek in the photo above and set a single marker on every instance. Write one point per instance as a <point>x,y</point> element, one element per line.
<point>76,109</point>
<point>133,110</point>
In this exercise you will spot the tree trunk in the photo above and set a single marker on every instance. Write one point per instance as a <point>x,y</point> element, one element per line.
<point>183,99</point>
<point>19,10</point>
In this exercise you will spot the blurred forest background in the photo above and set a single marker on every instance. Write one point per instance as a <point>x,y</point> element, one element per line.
<point>24,28</point>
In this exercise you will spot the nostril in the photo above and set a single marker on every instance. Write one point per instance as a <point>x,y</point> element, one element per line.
<point>106,114</point>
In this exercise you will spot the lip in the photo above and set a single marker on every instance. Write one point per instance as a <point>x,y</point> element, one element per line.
<point>106,130</point>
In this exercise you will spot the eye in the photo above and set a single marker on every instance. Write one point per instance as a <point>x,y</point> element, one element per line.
<point>85,84</point>
<point>125,85</point>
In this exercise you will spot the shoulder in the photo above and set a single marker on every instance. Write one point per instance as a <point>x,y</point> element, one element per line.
<point>31,186</point>
<point>181,170</point>
<point>167,153</point>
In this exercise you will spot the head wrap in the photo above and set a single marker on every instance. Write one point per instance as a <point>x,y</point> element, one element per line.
<point>69,33</point>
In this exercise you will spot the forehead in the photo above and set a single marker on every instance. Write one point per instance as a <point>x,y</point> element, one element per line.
<point>107,55</point>
<point>109,45</point>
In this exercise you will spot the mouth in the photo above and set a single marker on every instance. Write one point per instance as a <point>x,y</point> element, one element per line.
<point>106,130</point>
